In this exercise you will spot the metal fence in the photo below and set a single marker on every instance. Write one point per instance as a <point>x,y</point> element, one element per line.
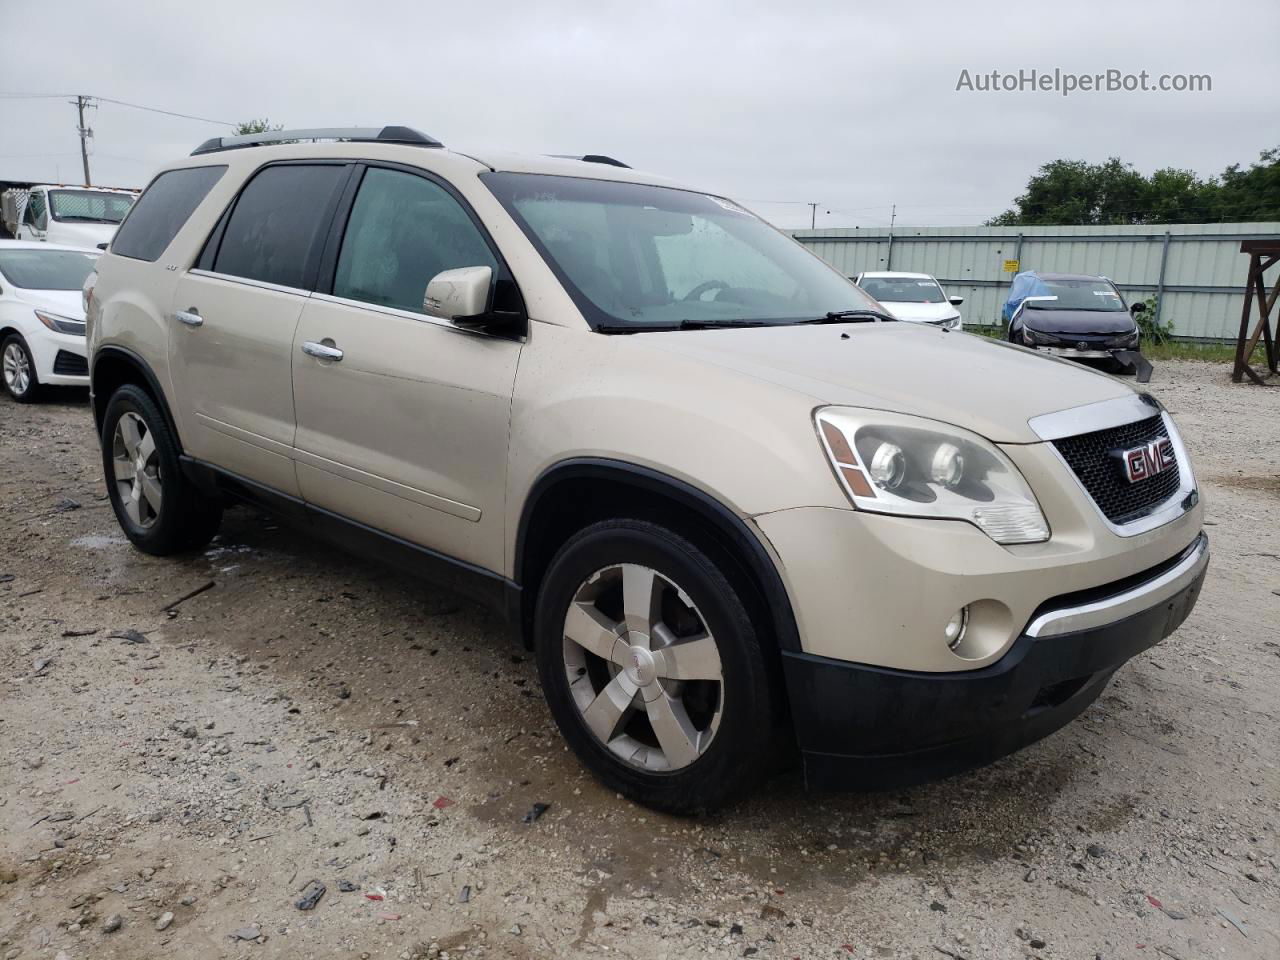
<point>1196,271</point>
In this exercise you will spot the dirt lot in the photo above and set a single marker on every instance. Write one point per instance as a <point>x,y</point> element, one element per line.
<point>170,792</point>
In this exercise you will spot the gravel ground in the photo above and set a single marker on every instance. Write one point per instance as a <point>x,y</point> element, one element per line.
<point>172,786</point>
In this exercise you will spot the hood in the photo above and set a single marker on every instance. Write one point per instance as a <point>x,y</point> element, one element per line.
<point>920,312</point>
<point>65,303</point>
<point>1079,321</point>
<point>987,386</point>
<point>81,234</point>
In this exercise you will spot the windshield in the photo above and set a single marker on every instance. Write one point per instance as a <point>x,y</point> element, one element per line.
<point>46,269</point>
<point>89,205</point>
<point>1079,295</point>
<point>903,289</point>
<point>641,257</point>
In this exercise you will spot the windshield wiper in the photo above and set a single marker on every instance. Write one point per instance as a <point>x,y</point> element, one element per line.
<point>82,218</point>
<point>682,325</point>
<point>850,316</point>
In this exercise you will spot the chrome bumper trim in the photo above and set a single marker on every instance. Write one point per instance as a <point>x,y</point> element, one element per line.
<point>1134,600</point>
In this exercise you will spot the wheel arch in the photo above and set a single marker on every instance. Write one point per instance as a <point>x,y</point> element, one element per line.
<point>574,493</point>
<point>115,366</point>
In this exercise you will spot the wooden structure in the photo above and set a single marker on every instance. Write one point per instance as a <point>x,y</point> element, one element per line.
<point>1263,254</point>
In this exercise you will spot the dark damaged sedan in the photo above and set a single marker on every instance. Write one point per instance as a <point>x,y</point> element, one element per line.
<point>1076,316</point>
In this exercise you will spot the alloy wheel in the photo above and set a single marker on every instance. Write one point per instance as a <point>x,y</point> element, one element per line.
<point>136,465</point>
<point>643,669</point>
<point>17,368</point>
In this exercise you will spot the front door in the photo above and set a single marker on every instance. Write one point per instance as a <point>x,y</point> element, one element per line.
<point>234,317</point>
<point>403,418</point>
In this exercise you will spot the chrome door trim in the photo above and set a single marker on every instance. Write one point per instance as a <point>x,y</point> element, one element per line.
<point>1142,597</point>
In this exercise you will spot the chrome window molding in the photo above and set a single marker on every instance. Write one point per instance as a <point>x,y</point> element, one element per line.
<point>249,282</point>
<point>403,314</point>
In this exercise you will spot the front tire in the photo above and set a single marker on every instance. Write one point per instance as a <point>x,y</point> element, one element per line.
<point>19,369</point>
<point>653,669</point>
<point>158,508</point>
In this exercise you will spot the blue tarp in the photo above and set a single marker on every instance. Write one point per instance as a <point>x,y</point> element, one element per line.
<point>1026,284</point>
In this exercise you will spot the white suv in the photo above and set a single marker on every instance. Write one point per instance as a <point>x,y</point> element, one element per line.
<point>736,510</point>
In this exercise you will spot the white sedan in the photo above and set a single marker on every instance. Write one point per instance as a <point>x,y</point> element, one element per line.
<point>42,316</point>
<point>913,296</point>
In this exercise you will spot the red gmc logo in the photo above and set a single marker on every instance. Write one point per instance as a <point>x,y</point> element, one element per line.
<point>1148,460</point>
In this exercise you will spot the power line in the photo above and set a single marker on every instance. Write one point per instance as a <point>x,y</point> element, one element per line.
<point>121,103</point>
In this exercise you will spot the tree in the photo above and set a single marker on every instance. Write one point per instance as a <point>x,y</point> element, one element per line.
<point>1080,193</point>
<point>263,125</point>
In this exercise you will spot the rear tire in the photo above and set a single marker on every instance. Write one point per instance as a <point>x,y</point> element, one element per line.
<point>158,508</point>
<point>661,689</point>
<point>19,369</point>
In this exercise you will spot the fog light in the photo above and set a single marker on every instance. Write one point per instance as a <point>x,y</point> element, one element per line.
<point>954,630</point>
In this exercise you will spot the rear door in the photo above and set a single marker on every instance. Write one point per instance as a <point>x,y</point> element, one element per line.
<point>405,428</point>
<point>234,317</point>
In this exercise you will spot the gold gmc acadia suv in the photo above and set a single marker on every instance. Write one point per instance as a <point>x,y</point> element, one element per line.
<point>736,510</point>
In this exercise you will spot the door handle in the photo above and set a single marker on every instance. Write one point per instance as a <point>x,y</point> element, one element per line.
<point>190,317</point>
<point>321,351</point>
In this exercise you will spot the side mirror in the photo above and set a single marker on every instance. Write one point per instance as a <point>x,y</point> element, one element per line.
<point>1138,307</point>
<point>458,294</point>
<point>955,301</point>
<point>102,245</point>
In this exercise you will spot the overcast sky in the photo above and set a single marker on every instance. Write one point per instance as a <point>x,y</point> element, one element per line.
<point>852,105</point>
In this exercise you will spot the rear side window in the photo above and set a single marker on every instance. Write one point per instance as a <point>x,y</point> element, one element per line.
<point>403,230</point>
<point>162,210</point>
<point>277,226</point>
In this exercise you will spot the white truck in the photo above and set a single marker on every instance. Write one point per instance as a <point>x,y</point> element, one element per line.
<point>63,214</point>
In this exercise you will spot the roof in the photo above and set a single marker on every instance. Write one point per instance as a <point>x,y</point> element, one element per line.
<point>404,145</point>
<point>890,274</point>
<point>42,245</point>
<point>1069,276</point>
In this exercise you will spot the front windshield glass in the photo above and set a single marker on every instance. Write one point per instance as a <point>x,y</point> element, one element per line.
<point>1080,295</point>
<point>903,289</point>
<point>644,257</point>
<point>46,269</point>
<point>89,206</point>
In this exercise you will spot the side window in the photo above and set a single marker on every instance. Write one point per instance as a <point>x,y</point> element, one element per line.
<point>403,230</point>
<point>37,215</point>
<point>162,210</point>
<point>277,226</point>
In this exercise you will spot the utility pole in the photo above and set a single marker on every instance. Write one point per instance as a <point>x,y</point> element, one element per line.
<point>81,101</point>
<point>813,215</point>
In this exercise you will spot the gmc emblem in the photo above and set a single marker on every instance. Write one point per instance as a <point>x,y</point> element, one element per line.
<point>1146,461</point>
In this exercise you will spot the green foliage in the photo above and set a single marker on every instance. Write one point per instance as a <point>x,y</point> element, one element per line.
<point>1151,331</point>
<point>256,126</point>
<point>1097,194</point>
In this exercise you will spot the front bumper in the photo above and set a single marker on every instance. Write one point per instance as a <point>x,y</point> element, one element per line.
<point>868,727</point>
<point>52,369</point>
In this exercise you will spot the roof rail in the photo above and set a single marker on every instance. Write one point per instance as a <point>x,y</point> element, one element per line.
<point>593,158</point>
<point>405,135</point>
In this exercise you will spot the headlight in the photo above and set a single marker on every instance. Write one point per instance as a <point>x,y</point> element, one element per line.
<point>60,324</point>
<point>913,467</point>
<point>1034,337</point>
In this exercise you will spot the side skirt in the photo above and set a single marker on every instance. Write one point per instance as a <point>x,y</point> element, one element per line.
<point>489,588</point>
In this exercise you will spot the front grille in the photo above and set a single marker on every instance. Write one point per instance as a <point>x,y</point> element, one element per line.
<point>67,364</point>
<point>1090,457</point>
